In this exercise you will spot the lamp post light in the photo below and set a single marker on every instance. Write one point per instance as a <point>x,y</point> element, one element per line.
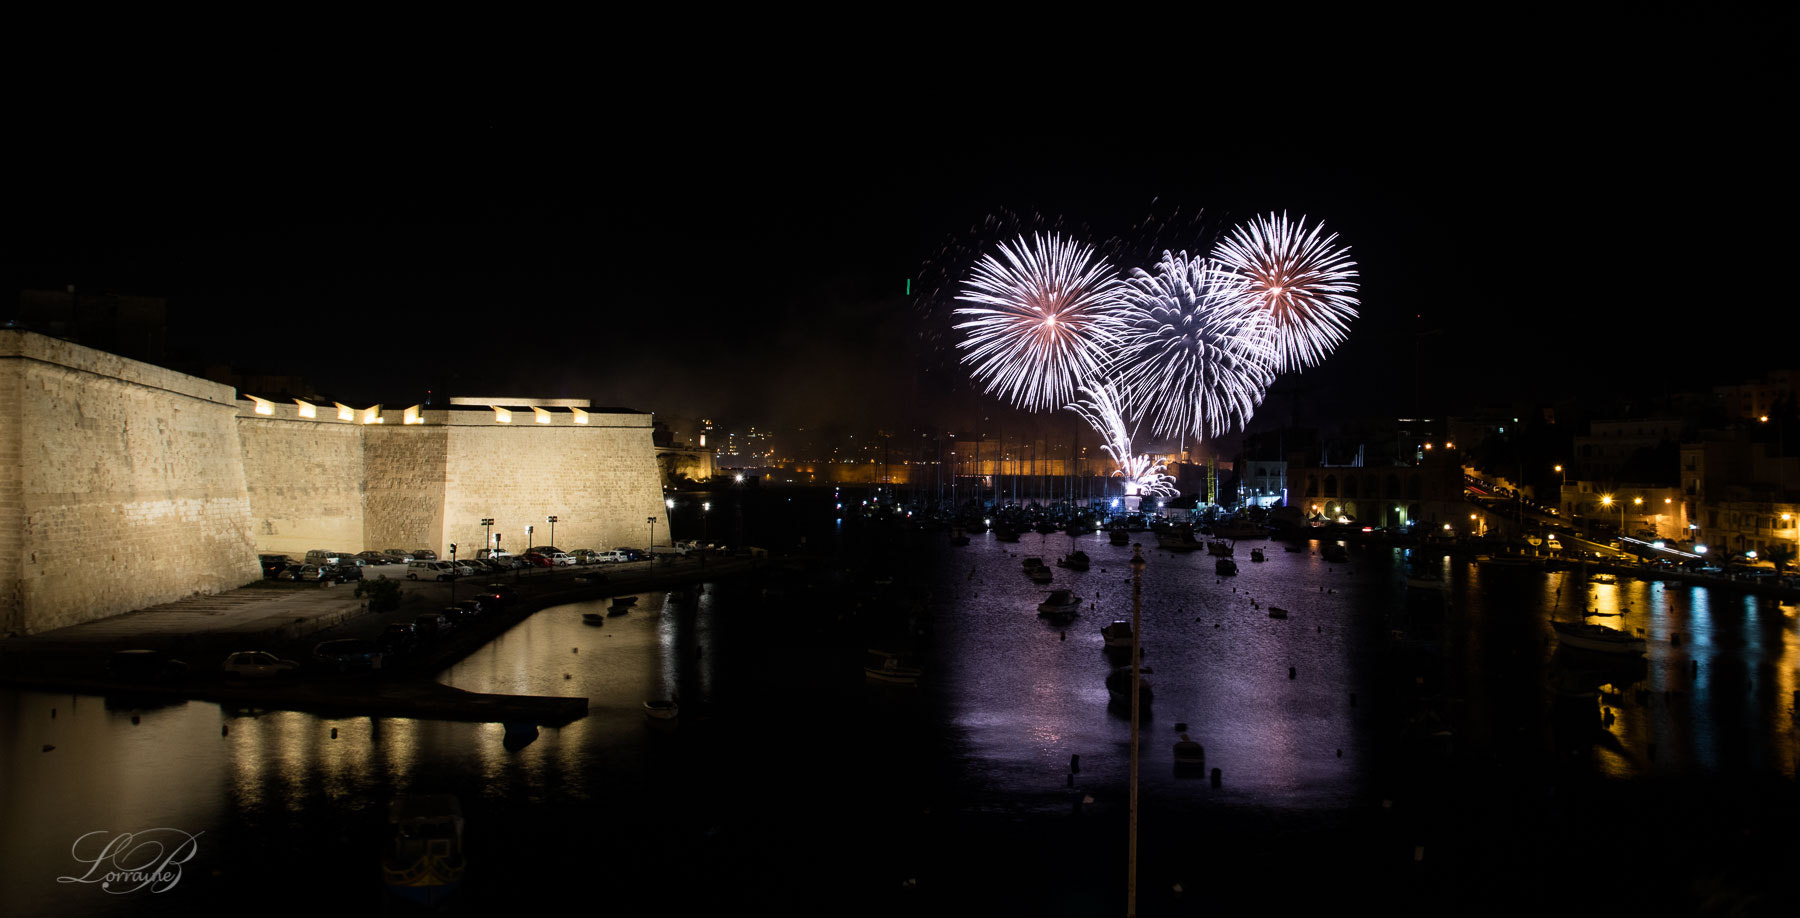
<point>1562,481</point>
<point>1137,603</point>
<point>552,521</point>
<point>1607,501</point>
<point>652,521</point>
<point>487,533</point>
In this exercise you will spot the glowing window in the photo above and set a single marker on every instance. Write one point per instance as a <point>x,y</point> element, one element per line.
<point>307,409</point>
<point>411,416</point>
<point>372,415</point>
<point>345,412</point>
<point>543,417</point>
<point>263,405</point>
<point>580,416</point>
<point>501,415</point>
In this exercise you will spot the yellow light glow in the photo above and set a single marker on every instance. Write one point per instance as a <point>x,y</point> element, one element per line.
<point>263,405</point>
<point>372,415</point>
<point>345,412</point>
<point>543,417</point>
<point>411,416</point>
<point>501,415</point>
<point>581,418</point>
<point>1606,501</point>
<point>307,409</point>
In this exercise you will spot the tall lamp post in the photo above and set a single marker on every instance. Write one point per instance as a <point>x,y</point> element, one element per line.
<point>487,533</point>
<point>1607,501</point>
<point>552,521</point>
<point>1137,602</point>
<point>1561,482</point>
<point>652,521</point>
<point>669,504</point>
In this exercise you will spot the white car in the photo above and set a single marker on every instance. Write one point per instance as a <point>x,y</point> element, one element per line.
<point>257,664</point>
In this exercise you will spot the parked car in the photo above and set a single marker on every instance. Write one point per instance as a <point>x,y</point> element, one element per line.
<point>432,625</point>
<point>538,559</point>
<point>375,557</point>
<point>146,666</point>
<point>346,654</point>
<point>272,565</point>
<point>498,593</point>
<point>457,615</point>
<point>343,573</point>
<point>634,554</point>
<point>258,664</point>
<point>311,573</point>
<point>424,554</point>
<point>474,607</point>
<point>429,570</point>
<point>398,556</point>
<point>399,639</point>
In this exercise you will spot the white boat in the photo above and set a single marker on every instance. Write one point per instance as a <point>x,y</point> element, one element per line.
<point>424,861</point>
<point>883,666</point>
<point>1117,634</point>
<point>1597,638</point>
<point>1060,604</point>
<point>662,709</point>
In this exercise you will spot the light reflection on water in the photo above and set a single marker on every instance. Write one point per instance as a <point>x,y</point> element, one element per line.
<point>1016,697</point>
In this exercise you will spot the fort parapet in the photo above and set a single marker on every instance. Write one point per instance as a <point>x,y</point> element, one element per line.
<point>124,485</point>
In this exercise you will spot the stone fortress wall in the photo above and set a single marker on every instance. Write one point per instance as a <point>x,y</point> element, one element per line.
<point>124,485</point>
<point>121,485</point>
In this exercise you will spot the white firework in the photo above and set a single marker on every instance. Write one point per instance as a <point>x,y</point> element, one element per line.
<point>1100,408</point>
<point>1305,286</point>
<point>1039,319</point>
<point>1196,352</point>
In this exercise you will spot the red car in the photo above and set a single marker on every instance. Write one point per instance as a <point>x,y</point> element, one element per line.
<point>537,560</point>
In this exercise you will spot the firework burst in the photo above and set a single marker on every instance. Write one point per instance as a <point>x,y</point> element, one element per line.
<point>1100,407</point>
<point>1039,318</point>
<point>1306,287</point>
<point>1197,353</point>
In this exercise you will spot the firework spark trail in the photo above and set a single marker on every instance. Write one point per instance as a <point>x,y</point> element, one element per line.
<point>1100,408</point>
<point>1306,287</point>
<point>1197,353</point>
<point>1039,320</point>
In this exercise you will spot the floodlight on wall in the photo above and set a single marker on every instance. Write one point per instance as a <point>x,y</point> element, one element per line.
<point>543,417</point>
<point>501,415</point>
<point>580,416</point>
<point>263,405</point>
<point>411,416</point>
<point>372,415</point>
<point>307,409</point>
<point>345,412</point>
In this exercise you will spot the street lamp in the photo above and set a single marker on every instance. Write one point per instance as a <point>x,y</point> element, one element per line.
<point>1562,481</point>
<point>1637,502</point>
<point>652,521</point>
<point>1607,501</point>
<point>487,533</point>
<point>552,521</point>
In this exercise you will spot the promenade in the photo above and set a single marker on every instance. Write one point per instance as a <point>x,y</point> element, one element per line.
<point>288,619</point>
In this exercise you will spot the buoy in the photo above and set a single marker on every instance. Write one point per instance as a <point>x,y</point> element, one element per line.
<point>566,676</point>
<point>134,720</point>
<point>1291,672</point>
<point>1340,753</point>
<point>334,733</point>
<point>1074,764</point>
<point>1063,636</point>
<point>1176,889</point>
<point>52,713</point>
<point>1181,728</point>
<point>1087,798</point>
<point>48,747</point>
<point>1217,776</point>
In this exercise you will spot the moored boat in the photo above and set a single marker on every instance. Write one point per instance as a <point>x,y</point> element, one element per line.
<point>1117,634</point>
<point>592,618</point>
<point>1256,554</point>
<point>1597,638</point>
<point>1277,612</point>
<point>1225,567</point>
<point>424,861</point>
<point>1220,548</point>
<point>1076,560</point>
<point>1178,538</point>
<point>1335,552</point>
<point>662,709</point>
<point>1119,536</point>
<point>1118,685</point>
<point>884,666</point>
<point>1060,604</point>
<point>1188,752</point>
<point>1039,574</point>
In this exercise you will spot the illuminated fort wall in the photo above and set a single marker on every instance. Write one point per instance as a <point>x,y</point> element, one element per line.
<point>122,485</point>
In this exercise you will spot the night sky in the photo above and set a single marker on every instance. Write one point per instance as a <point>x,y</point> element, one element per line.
<point>1590,210</point>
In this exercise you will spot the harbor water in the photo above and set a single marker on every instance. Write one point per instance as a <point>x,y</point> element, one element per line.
<point>1430,750</point>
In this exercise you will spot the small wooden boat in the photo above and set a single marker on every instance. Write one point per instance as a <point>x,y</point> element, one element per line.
<point>1256,554</point>
<point>1225,567</point>
<point>1118,685</point>
<point>1040,574</point>
<point>1277,612</point>
<point>1119,537</point>
<point>1060,605</point>
<point>1596,638</point>
<point>662,709</point>
<point>883,666</point>
<point>1117,634</point>
<point>624,600</point>
<point>1076,561</point>
<point>592,618</point>
<point>617,609</point>
<point>1033,563</point>
<point>1188,752</point>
